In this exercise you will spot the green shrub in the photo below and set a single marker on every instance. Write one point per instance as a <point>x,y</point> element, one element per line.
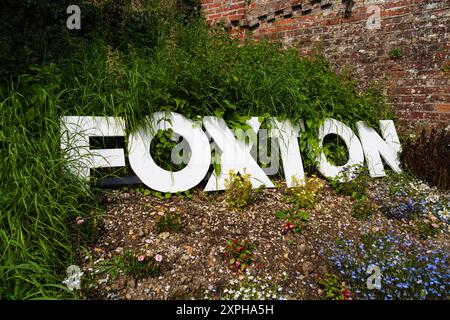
<point>239,190</point>
<point>356,187</point>
<point>428,158</point>
<point>304,193</point>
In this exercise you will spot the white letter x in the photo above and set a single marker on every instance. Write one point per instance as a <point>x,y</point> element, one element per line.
<point>235,154</point>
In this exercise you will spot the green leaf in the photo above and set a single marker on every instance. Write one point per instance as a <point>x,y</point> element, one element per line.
<point>281,215</point>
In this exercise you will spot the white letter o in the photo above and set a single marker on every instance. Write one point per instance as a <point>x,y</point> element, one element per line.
<point>156,177</point>
<point>355,151</point>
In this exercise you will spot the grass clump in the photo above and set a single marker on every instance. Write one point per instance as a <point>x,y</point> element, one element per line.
<point>40,202</point>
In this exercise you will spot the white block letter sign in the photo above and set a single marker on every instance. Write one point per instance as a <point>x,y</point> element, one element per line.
<point>75,133</point>
<point>374,146</point>
<point>235,154</point>
<point>156,177</point>
<point>355,151</point>
<point>287,136</point>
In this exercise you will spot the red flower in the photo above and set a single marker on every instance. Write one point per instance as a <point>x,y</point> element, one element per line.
<point>291,226</point>
<point>346,293</point>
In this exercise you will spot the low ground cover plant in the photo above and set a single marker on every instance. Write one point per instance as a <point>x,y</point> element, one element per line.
<point>239,191</point>
<point>334,288</point>
<point>294,220</point>
<point>405,197</point>
<point>247,288</point>
<point>408,270</point>
<point>168,220</point>
<point>138,266</point>
<point>239,254</point>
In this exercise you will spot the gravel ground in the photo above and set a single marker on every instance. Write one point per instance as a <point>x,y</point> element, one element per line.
<point>193,258</point>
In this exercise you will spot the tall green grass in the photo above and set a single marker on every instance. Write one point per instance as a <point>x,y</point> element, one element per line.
<point>39,201</point>
<point>186,69</point>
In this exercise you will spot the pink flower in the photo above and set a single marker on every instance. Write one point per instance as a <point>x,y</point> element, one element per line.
<point>158,258</point>
<point>140,258</point>
<point>160,213</point>
<point>79,220</point>
<point>238,264</point>
<point>172,209</point>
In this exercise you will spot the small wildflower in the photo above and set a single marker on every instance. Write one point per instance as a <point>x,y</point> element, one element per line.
<point>79,220</point>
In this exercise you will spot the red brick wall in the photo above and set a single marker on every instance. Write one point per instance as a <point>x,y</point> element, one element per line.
<point>417,83</point>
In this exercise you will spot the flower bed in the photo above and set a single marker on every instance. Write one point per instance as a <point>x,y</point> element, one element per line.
<point>253,253</point>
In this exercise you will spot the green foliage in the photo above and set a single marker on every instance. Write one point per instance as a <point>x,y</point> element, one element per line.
<point>335,150</point>
<point>363,208</point>
<point>161,151</point>
<point>446,67</point>
<point>129,61</point>
<point>395,53</point>
<point>239,190</point>
<point>294,220</point>
<point>352,184</point>
<point>137,266</point>
<point>29,44</point>
<point>334,288</point>
<point>39,200</point>
<point>169,221</point>
<point>355,184</point>
<point>239,254</point>
<point>304,193</point>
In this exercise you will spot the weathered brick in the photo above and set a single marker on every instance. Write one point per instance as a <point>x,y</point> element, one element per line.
<point>416,83</point>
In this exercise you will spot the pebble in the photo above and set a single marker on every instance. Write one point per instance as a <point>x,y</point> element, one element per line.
<point>164,235</point>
